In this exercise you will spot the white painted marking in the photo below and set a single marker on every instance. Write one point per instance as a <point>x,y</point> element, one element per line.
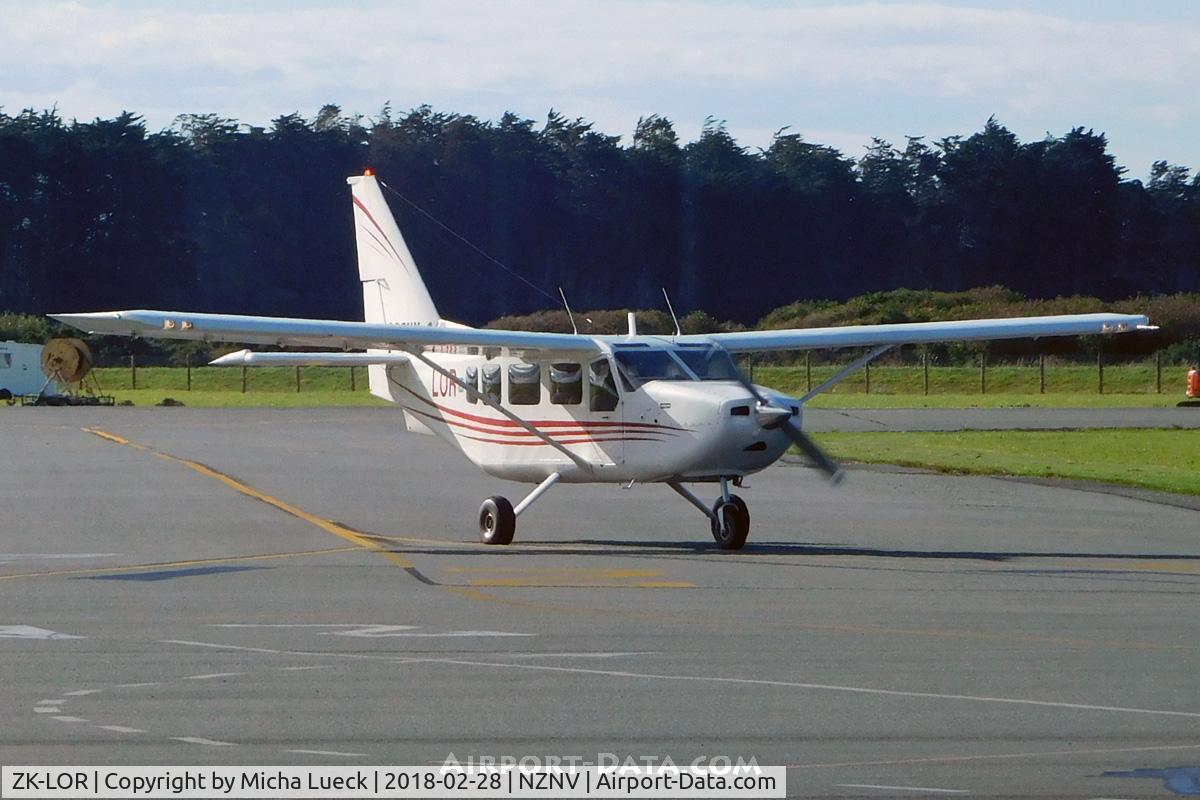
<point>82,692</point>
<point>373,630</point>
<point>199,740</point>
<point>137,685</point>
<point>211,675</point>
<point>30,632</point>
<point>329,753</point>
<point>120,729</point>
<point>288,624</point>
<point>300,669</point>
<point>712,679</point>
<point>383,630</point>
<point>923,789</point>
<point>826,687</point>
<point>579,655</point>
<point>304,653</point>
<point>70,719</point>
<point>1025,756</point>
<point>47,710</point>
<point>366,630</point>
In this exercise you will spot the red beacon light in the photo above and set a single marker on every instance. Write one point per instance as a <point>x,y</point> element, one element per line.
<point>368,172</point>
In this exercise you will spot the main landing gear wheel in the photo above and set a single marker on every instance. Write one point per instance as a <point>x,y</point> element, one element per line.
<point>734,523</point>
<point>497,522</point>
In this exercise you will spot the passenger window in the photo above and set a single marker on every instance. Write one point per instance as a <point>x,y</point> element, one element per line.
<point>603,387</point>
<point>491,382</point>
<point>524,384</point>
<point>566,384</point>
<point>472,380</point>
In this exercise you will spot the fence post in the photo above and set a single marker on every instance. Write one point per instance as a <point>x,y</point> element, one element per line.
<point>983,373</point>
<point>243,379</point>
<point>867,372</point>
<point>133,372</point>
<point>1158,372</point>
<point>925,371</point>
<point>1042,373</point>
<point>1100,372</point>
<point>189,372</point>
<point>352,379</point>
<point>297,379</point>
<point>808,370</point>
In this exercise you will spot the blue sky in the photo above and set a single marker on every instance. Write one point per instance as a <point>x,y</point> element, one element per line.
<point>836,72</point>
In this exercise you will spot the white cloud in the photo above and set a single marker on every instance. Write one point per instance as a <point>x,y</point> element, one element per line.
<point>624,58</point>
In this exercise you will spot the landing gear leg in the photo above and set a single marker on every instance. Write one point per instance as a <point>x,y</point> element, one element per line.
<point>498,518</point>
<point>729,518</point>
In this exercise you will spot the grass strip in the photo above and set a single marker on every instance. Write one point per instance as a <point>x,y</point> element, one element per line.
<point>1167,460</point>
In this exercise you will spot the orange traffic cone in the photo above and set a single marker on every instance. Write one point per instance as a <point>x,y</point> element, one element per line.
<point>1193,383</point>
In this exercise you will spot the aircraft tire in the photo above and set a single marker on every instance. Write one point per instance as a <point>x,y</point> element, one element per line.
<point>497,522</point>
<point>735,523</point>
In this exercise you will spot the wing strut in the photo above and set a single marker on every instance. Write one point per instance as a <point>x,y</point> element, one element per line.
<point>847,371</point>
<point>472,391</point>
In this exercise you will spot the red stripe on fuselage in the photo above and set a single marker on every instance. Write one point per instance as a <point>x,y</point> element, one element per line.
<point>578,437</point>
<point>581,425</point>
<point>560,441</point>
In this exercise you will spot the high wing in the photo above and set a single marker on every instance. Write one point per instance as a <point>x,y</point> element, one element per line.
<point>287,332</point>
<point>922,332</point>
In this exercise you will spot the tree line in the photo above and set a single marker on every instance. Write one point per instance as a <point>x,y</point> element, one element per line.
<point>213,215</point>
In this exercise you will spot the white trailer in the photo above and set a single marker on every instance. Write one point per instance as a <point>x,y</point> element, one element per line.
<point>21,370</point>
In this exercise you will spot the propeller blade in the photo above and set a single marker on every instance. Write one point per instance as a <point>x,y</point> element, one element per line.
<point>815,454</point>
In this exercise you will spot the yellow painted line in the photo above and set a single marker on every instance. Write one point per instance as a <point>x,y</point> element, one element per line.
<point>484,597</point>
<point>600,572</point>
<point>199,562</point>
<point>549,583</point>
<point>328,526</point>
<point>570,577</point>
<point>112,437</point>
<point>1167,567</point>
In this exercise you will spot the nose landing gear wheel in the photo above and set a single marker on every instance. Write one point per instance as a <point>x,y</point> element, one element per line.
<point>497,522</point>
<point>734,523</point>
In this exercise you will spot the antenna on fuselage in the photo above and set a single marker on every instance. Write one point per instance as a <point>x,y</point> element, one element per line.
<point>678,332</point>
<point>570,316</point>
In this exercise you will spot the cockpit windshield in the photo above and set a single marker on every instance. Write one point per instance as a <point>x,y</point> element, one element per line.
<point>709,363</point>
<point>638,366</point>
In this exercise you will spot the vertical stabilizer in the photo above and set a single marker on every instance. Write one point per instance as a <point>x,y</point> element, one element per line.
<point>393,291</point>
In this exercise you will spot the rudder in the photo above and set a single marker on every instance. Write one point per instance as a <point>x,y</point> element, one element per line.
<point>393,292</point>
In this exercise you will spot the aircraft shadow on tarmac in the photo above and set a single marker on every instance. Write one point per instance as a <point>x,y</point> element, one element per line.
<point>812,549</point>
<point>643,548</point>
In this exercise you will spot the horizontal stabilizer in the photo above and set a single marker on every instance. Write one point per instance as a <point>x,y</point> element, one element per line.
<point>248,358</point>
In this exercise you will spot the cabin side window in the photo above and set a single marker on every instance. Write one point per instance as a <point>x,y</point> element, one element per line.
<point>603,388</point>
<point>472,380</point>
<point>524,384</point>
<point>491,382</point>
<point>566,384</point>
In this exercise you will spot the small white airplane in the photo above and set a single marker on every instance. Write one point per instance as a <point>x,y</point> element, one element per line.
<point>547,407</point>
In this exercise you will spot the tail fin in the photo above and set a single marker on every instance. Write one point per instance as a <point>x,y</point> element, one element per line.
<point>393,291</point>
